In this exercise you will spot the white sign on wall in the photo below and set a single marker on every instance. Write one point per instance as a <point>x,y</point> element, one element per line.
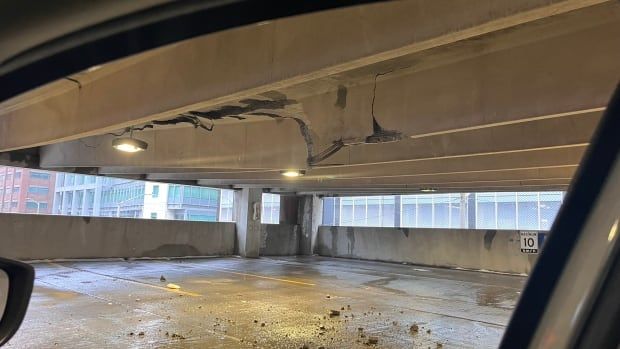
<point>529,241</point>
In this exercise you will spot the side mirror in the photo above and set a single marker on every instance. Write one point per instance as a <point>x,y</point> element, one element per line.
<point>16,280</point>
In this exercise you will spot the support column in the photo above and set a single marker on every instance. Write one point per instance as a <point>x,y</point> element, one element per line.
<point>397,211</point>
<point>464,224</point>
<point>289,206</point>
<point>247,203</point>
<point>471,211</point>
<point>317,221</point>
<point>310,218</point>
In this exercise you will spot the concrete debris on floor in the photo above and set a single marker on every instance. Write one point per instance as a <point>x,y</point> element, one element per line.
<point>284,302</point>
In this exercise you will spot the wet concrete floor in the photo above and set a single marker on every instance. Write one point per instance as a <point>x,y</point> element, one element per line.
<point>276,302</point>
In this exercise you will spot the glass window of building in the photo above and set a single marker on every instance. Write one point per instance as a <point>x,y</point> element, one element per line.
<point>387,207</point>
<point>346,211</point>
<point>360,211</point>
<point>441,211</point>
<point>329,210</point>
<point>409,211</point>
<point>425,211</point>
<point>270,209</point>
<point>372,211</point>
<point>506,210</point>
<point>502,210</point>
<point>549,205</point>
<point>39,175</point>
<point>527,211</point>
<point>486,217</point>
<point>226,205</point>
<point>50,192</point>
<point>458,211</point>
<point>38,190</point>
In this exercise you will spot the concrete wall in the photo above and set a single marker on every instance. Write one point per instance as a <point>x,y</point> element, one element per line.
<point>46,237</point>
<point>279,239</point>
<point>494,250</point>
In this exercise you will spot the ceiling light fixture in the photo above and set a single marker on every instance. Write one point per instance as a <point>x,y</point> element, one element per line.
<point>428,190</point>
<point>293,173</point>
<point>129,144</point>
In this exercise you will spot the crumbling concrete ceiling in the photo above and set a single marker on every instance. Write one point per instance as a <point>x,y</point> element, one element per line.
<point>521,83</point>
<point>277,145</point>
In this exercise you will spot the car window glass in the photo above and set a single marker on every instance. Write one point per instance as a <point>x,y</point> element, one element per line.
<point>4,290</point>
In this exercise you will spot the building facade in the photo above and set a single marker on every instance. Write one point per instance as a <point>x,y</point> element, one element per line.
<point>494,210</point>
<point>193,203</point>
<point>77,195</point>
<point>26,190</point>
<point>83,195</point>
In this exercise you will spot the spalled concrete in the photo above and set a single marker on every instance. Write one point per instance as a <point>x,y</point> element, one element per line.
<point>30,237</point>
<point>528,85</point>
<point>224,302</point>
<point>493,250</point>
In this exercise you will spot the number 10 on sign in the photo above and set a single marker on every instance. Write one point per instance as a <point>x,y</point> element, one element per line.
<point>529,241</point>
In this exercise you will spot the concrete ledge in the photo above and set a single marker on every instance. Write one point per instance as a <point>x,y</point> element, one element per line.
<point>29,237</point>
<point>279,240</point>
<point>493,250</point>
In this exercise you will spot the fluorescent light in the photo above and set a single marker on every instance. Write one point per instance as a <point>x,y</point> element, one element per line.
<point>428,190</point>
<point>293,173</point>
<point>129,145</point>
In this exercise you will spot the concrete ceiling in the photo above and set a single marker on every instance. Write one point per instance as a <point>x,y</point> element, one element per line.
<point>458,96</point>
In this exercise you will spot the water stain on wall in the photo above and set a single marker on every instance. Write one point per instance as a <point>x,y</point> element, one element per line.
<point>341,97</point>
<point>334,233</point>
<point>351,238</point>
<point>405,231</point>
<point>489,235</point>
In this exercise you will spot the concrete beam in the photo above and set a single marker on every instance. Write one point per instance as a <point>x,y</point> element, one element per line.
<point>238,145</point>
<point>510,186</point>
<point>275,145</point>
<point>472,163</point>
<point>544,79</point>
<point>234,65</point>
<point>551,177</point>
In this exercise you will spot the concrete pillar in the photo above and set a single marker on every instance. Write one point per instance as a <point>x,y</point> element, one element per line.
<point>464,213</point>
<point>317,220</point>
<point>310,218</point>
<point>337,211</point>
<point>471,211</point>
<point>397,211</point>
<point>289,207</point>
<point>247,203</point>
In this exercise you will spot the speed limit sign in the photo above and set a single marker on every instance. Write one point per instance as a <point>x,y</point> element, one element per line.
<point>529,241</point>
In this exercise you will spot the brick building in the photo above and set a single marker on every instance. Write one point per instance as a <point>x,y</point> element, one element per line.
<point>25,190</point>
